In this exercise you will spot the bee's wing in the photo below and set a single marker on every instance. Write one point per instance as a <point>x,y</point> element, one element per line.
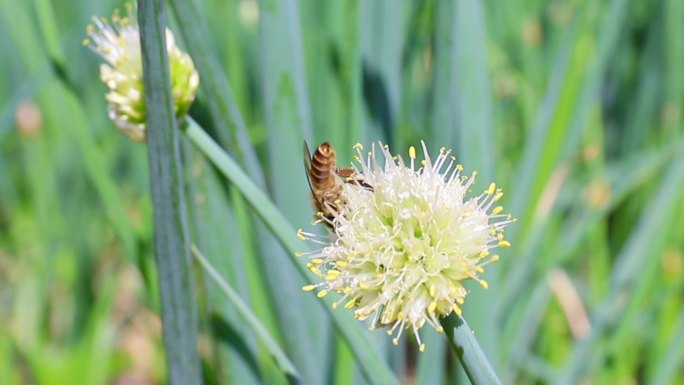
<point>307,165</point>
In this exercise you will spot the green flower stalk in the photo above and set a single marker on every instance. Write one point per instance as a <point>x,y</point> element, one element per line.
<point>118,43</point>
<point>405,240</point>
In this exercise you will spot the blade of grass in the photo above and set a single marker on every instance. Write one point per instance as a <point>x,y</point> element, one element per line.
<point>243,310</point>
<point>172,248</point>
<point>375,368</point>
<point>643,246</point>
<point>95,165</point>
<point>288,121</point>
<point>559,125</point>
<point>667,371</point>
<point>444,115</point>
<point>215,89</point>
<point>350,41</point>
<point>261,298</point>
<point>470,88</point>
<point>526,323</point>
<point>623,178</point>
<point>235,357</point>
<point>381,46</point>
<point>343,373</point>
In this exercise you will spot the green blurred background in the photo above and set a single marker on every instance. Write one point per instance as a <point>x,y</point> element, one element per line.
<point>573,107</point>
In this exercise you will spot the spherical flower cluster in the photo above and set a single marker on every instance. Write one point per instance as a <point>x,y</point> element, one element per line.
<point>405,239</point>
<point>118,43</point>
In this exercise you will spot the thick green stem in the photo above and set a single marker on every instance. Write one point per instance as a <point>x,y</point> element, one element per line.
<point>172,247</point>
<point>469,352</point>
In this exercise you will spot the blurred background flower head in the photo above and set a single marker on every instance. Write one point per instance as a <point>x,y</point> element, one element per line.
<point>118,43</point>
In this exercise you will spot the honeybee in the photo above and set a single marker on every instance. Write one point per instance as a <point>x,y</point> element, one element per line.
<point>326,181</point>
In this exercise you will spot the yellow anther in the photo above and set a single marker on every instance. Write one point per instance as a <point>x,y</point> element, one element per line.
<point>358,146</point>
<point>491,189</point>
<point>334,305</point>
<point>86,42</point>
<point>457,310</point>
<point>439,329</point>
<point>432,290</point>
<point>497,210</point>
<point>423,162</point>
<point>331,277</point>
<point>498,196</point>
<point>322,293</point>
<point>479,269</point>
<point>494,258</point>
<point>347,290</point>
<point>308,287</point>
<point>300,234</point>
<point>350,304</point>
<point>342,264</point>
<point>334,273</point>
<point>298,254</point>
<point>395,341</point>
<point>317,261</point>
<point>432,307</point>
<point>484,284</point>
<point>412,152</point>
<point>422,347</point>
<point>459,167</point>
<point>505,244</point>
<point>483,254</point>
<point>474,174</point>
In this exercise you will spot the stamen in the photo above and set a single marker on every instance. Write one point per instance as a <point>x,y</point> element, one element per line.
<point>421,345</point>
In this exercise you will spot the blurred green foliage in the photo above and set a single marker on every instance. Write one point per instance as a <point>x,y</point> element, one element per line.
<point>573,107</point>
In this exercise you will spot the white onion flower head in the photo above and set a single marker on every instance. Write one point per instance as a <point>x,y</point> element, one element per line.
<point>402,249</point>
<point>118,43</point>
